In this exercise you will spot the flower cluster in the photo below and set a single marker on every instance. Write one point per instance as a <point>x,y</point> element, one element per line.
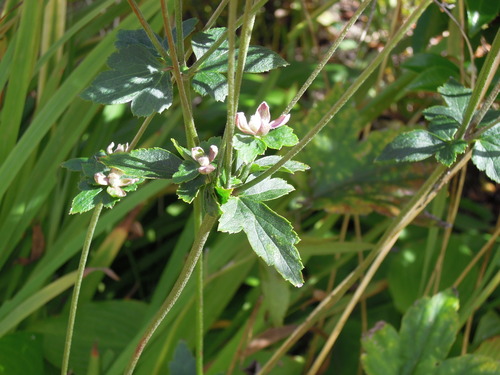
<point>204,160</point>
<point>115,180</point>
<point>260,123</point>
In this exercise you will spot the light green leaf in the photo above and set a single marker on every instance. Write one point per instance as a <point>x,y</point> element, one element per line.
<point>282,136</point>
<point>469,365</point>
<point>144,163</point>
<point>267,162</point>
<point>381,346</point>
<point>248,147</point>
<point>486,153</point>
<point>188,170</point>
<point>428,330</point>
<point>270,188</point>
<point>86,200</point>
<point>136,76</point>
<point>271,236</point>
<point>456,97</point>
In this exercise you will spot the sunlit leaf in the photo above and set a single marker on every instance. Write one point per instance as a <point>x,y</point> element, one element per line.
<point>271,236</point>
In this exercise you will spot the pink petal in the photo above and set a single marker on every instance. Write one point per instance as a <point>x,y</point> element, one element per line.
<point>241,123</point>
<point>263,112</point>
<point>282,120</point>
<point>206,169</point>
<point>213,152</point>
<point>101,179</point>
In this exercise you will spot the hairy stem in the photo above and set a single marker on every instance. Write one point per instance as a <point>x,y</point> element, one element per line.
<point>191,133</point>
<point>78,286</point>
<point>194,254</point>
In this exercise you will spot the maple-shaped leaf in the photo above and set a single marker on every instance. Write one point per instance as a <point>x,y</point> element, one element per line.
<point>209,78</point>
<point>271,236</point>
<point>136,76</point>
<point>486,153</point>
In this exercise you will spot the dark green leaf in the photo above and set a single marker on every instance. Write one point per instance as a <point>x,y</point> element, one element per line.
<point>248,146</point>
<point>412,146</point>
<point>189,190</point>
<point>126,38</point>
<point>282,136</point>
<point>276,292</point>
<point>75,165</point>
<point>442,122</point>
<point>271,236</point>
<point>260,59</point>
<point>381,346</point>
<point>188,170</point>
<point>270,188</point>
<point>479,13</point>
<point>486,153</point>
<point>432,22</point>
<point>210,83</point>
<point>267,162</point>
<point>21,354</point>
<point>137,76</point>
<point>144,163</point>
<point>431,78</point>
<point>202,42</point>
<point>457,97</point>
<point>183,362</point>
<point>447,155</point>
<point>421,62</point>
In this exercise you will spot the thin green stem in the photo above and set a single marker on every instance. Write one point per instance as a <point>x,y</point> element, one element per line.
<point>486,75</point>
<point>187,270</point>
<point>224,36</point>
<point>191,133</point>
<point>197,207</point>
<point>78,286</point>
<point>350,91</point>
<point>478,117</point>
<point>227,145</point>
<point>178,26</point>
<point>148,30</point>
<point>327,56</point>
<point>141,131</point>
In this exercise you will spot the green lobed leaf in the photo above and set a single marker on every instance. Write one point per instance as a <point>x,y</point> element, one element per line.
<point>88,199</point>
<point>127,38</point>
<point>261,59</point>
<point>188,170</point>
<point>447,155</point>
<point>248,147</point>
<point>201,43</point>
<point>210,83</point>
<point>486,153</point>
<point>267,162</point>
<point>223,194</point>
<point>381,350</point>
<point>412,146</point>
<point>136,76</point>
<point>268,189</point>
<point>271,236</point>
<point>279,137</point>
<point>183,362</point>
<point>183,151</point>
<point>144,163</point>
<point>442,122</point>
<point>456,97</point>
<point>187,191</point>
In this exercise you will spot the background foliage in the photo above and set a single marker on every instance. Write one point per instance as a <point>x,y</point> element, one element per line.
<point>51,51</point>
